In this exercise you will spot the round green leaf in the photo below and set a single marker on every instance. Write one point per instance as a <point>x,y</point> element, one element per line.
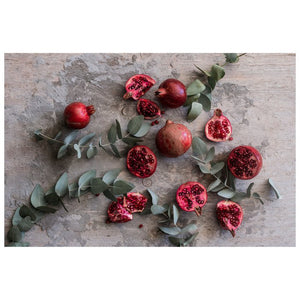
<point>210,155</point>
<point>62,151</point>
<point>61,186</point>
<point>25,224</point>
<point>198,146</point>
<point>84,180</point>
<point>27,211</point>
<point>115,150</point>
<point>135,124</point>
<point>170,230</point>
<point>217,72</point>
<point>154,197</point>
<point>14,234</point>
<point>71,137</point>
<point>37,197</point>
<point>194,112</point>
<point>85,139</point>
<point>217,167</point>
<point>112,134</point>
<point>121,187</point>
<point>213,185</point>
<point>196,87</point>
<point>16,217</point>
<point>91,152</point>
<point>130,140</point>
<point>231,57</point>
<point>98,186</point>
<point>144,129</point>
<point>206,102</point>
<point>226,193</point>
<point>110,176</point>
<point>77,148</point>
<point>191,99</point>
<point>158,209</point>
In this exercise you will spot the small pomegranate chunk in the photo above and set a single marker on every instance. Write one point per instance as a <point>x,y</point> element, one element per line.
<point>149,109</point>
<point>173,139</point>
<point>191,196</point>
<point>218,128</point>
<point>137,85</point>
<point>141,161</point>
<point>244,162</point>
<point>117,213</point>
<point>133,202</point>
<point>229,215</point>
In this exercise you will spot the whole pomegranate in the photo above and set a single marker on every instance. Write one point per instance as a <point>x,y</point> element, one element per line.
<point>141,161</point>
<point>218,128</point>
<point>229,215</point>
<point>117,213</point>
<point>133,202</point>
<point>191,196</point>
<point>77,115</point>
<point>171,93</point>
<point>137,85</point>
<point>244,162</point>
<point>149,109</point>
<point>173,139</point>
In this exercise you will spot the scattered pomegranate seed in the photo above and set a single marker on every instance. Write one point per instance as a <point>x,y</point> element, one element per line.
<point>152,123</point>
<point>156,121</point>
<point>97,195</point>
<point>231,138</point>
<point>162,112</point>
<point>141,225</point>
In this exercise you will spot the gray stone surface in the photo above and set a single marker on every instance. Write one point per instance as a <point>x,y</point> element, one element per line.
<point>257,95</point>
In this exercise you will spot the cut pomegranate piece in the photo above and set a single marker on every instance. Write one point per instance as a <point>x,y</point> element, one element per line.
<point>244,162</point>
<point>173,139</point>
<point>230,215</point>
<point>218,128</point>
<point>191,196</point>
<point>149,109</point>
<point>137,85</point>
<point>141,161</point>
<point>133,202</point>
<point>117,213</point>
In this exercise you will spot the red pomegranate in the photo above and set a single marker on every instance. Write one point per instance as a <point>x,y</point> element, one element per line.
<point>117,213</point>
<point>141,161</point>
<point>229,215</point>
<point>133,202</point>
<point>191,196</point>
<point>218,128</point>
<point>244,162</point>
<point>77,115</point>
<point>137,85</point>
<point>173,139</point>
<point>171,93</point>
<point>149,109</point>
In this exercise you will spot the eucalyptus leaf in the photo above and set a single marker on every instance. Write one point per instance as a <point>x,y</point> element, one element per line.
<point>108,194</point>
<point>217,167</point>
<point>91,151</point>
<point>218,188</point>
<point>170,230</point>
<point>37,135</point>
<point>176,241</point>
<point>77,148</point>
<point>25,224</point>
<point>205,101</point>
<point>115,150</point>
<point>84,179</point>
<point>144,129</point>
<point>110,176</point>
<point>231,57</point>
<point>73,190</point>
<point>71,137</point>
<point>249,189</point>
<point>212,82</point>
<point>196,87</point>
<point>14,234</point>
<point>51,197</point>
<point>135,124</point>
<point>203,71</point>
<point>37,197</point>
<point>121,187</point>
<point>190,239</point>
<point>217,72</point>
<point>18,244</point>
<point>61,186</point>
<point>16,219</point>
<point>257,196</point>
<point>210,155</point>
<point>204,169</point>
<point>191,99</point>
<point>62,151</point>
<point>102,146</point>
<point>131,140</point>
<point>239,196</point>
<point>278,196</point>
<point>198,146</point>
<point>214,184</point>
<point>175,214</point>
<point>98,186</point>
<point>194,111</point>
<point>85,139</point>
<point>46,209</point>
<point>158,209</point>
<point>55,138</point>
<point>154,197</point>
<point>190,228</point>
<point>119,130</point>
<point>230,179</point>
<point>112,134</point>
<point>226,193</point>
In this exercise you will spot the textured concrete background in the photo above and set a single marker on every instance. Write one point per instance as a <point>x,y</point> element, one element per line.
<point>257,95</point>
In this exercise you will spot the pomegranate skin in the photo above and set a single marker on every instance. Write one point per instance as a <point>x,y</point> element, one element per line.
<point>77,115</point>
<point>173,139</point>
<point>171,93</point>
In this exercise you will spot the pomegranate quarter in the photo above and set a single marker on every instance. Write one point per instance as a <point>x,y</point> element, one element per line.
<point>141,161</point>
<point>149,109</point>
<point>137,85</point>
<point>173,139</point>
<point>191,196</point>
<point>244,162</point>
<point>218,128</point>
<point>229,215</point>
